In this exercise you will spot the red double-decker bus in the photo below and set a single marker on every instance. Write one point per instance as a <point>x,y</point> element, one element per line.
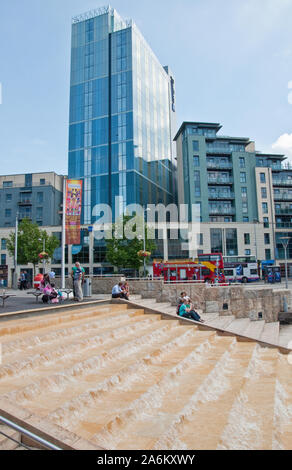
<point>189,270</point>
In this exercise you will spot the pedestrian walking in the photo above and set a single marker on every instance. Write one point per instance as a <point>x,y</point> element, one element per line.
<point>77,275</point>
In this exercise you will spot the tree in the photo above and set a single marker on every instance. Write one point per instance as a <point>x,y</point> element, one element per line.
<point>30,241</point>
<point>123,252</point>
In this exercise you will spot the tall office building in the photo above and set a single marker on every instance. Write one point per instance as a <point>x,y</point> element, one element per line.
<point>122,115</point>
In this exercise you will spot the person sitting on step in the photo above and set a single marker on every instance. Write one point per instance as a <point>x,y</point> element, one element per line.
<point>186,311</point>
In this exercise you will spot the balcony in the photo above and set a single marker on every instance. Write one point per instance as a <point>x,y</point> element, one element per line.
<point>222,150</point>
<point>220,195</point>
<point>25,202</point>
<point>283,224</point>
<point>219,165</point>
<point>273,166</point>
<point>221,210</point>
<point>283,210</point>
<point>283,197</point>
<point>220,180</point>
<point>282,182</point>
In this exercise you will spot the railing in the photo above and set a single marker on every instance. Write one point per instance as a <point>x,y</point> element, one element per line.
<point>221,196</point>
<point>283,197</point>
<point>284,211</point>
<point>219,165</point>
<point>25,432</point>
<point>283,224</point>
<point>218,150</point>
<point>221,210</point>
<point>282,182</point>
<point>220,180</point>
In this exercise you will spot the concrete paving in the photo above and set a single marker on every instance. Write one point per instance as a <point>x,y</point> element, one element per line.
<point>25,301</point>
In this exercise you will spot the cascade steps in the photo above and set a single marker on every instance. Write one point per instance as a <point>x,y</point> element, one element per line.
<point>123,379</point>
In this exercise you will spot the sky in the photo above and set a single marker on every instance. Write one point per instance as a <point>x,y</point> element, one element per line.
<point>232,61</point>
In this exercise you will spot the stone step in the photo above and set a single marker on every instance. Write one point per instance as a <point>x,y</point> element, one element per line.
<point>254,329</point>
<point>209,407</point>
<point>135,297</point>
<point>71,356</point>
<point>64,381</point>
<point>282,426</point>
<point>5,442</point>
<point>104,325</point>
<point>285,336</point>
<point>220,322</point>
<point>21,327</point>
<point>148,416</point>
<point>138,374</point>
<point>251,419</point>
<point>238,325</point>
<point>270,333</point>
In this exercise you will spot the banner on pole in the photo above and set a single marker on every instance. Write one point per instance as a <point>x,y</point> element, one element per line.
<point>73,211</point>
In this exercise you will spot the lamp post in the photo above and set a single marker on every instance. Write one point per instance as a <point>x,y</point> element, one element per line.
<point>144,238</point>
<point>44,250</point>
<point>255,221</point>
<point>285,242</point>
<point>15,252</point>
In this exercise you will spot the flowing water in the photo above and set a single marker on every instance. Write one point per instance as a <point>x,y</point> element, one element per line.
<point>124,380</point>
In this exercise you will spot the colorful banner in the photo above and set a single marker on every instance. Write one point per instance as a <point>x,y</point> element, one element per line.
<point>73,211</point>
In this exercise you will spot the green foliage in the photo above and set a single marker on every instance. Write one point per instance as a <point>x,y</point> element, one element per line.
<point>30,243</point>
<point>123,253</point>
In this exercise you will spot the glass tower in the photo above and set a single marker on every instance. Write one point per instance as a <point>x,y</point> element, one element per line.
<point>122,115</point>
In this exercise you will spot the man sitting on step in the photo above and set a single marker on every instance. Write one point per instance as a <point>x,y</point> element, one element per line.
<point>118,292</point>
<point>186,311</point>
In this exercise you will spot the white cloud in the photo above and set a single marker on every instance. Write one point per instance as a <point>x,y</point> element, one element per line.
<point>284,145</point>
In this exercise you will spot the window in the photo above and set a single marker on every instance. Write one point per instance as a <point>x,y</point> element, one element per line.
<point>196,161</point>
<point>247,239</point>
<point>267,238</point>
<point>268,254</point>
<point>245,219</point>
<point>8,197</point>
<point>216,240</point>
<point>7,184</point>
<point>39,213</point>
<point>247,252</point>
<point>231,242</point>
<point>200,239</point>
<point>242,177</point>
<point>195,146</point>
<point>7,212</point>
<point>262,177</point>
<point>242,162</point>
<point>244,192</point>
<point>42,181</point>
<point>40,198</point>
<point>3,243</point>
<point>244,208</point>
<point>3,259</point>
<point>266,222</point>
<point>265,207</point>
<point>197,184</point>
<point>264,193</point>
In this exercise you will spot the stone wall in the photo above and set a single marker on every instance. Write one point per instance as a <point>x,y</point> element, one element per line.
<point>237,300</point>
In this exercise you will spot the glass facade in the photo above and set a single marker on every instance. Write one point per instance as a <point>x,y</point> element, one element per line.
<point>121,109</point>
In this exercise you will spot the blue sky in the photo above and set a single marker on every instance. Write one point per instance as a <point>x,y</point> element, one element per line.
<point>232,61</point>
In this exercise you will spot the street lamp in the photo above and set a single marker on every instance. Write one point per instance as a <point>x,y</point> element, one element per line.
<point>255,221</point>
<point>15,252</point>
<point>44,250</point>
<point>285,242</point>
<point>144,238</point>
